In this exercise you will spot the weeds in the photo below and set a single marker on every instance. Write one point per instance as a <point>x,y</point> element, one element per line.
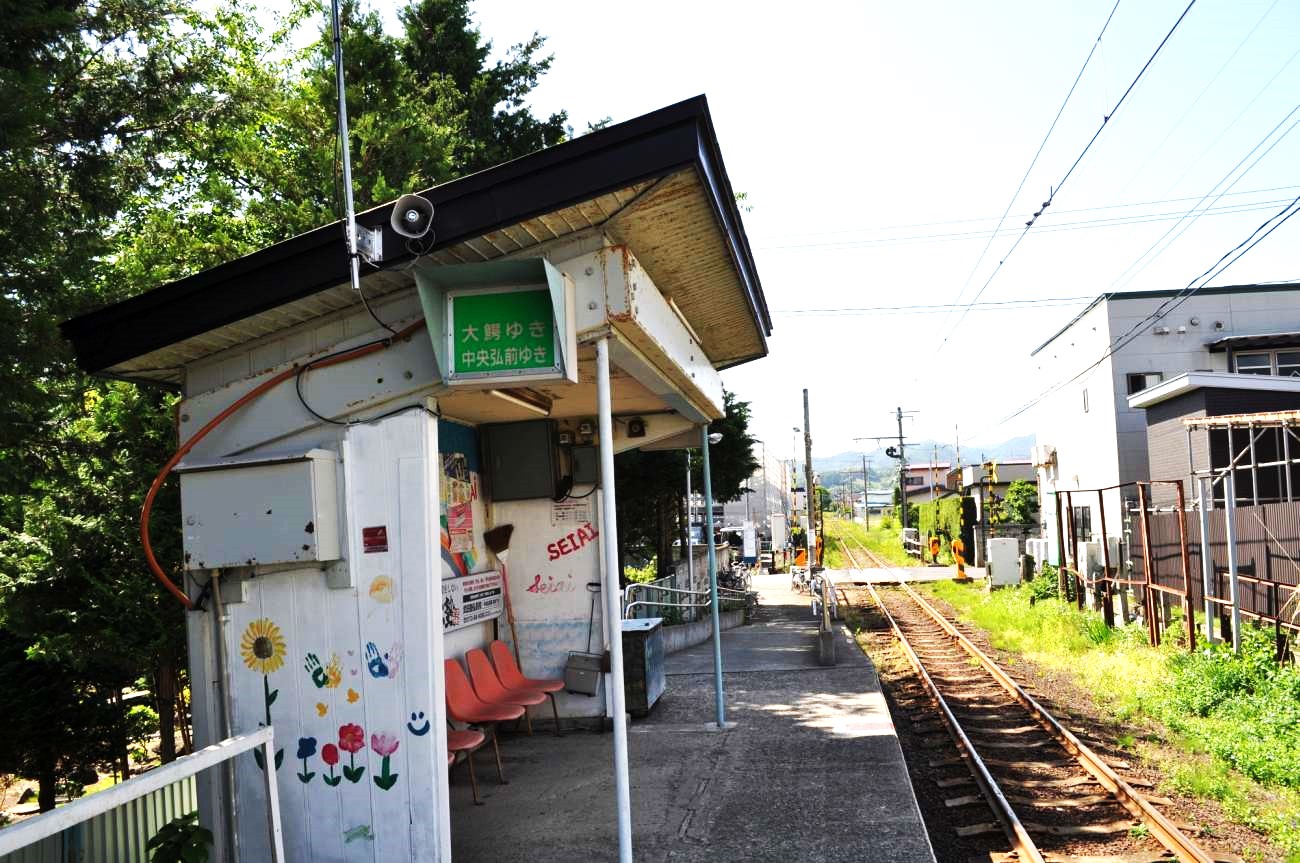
<point>1236,718</point>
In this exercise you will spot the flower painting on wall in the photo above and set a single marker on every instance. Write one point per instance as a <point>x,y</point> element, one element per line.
<point>263,650</point>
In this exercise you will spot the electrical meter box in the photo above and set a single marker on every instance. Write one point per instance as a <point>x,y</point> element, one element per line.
<point>259,511</point>
<point>1003,562</point>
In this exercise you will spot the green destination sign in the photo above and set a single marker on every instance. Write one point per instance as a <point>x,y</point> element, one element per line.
<point>495,332</point>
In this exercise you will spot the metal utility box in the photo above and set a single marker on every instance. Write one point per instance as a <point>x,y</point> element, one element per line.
<point>582,673</point>
<point>257,511</point>
<point>1003,562</point>
<point>644,676</point>
<point>584,464</point>
<point>521,459</point>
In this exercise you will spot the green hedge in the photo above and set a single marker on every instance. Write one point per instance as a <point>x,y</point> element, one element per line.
<point>942,517</point>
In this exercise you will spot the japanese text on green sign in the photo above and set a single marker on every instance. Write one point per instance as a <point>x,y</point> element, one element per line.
<point>502,332</point>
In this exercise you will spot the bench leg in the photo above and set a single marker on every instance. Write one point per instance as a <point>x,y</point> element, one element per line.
<point>528,721</point>
<point>473,782</point>
<point>496,749</point>
<point>556,712</point>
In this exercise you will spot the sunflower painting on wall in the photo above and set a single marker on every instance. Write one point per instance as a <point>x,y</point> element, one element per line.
<point>263,650</point>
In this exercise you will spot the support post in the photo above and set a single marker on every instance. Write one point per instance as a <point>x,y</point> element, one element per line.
<point>1108,605</point>
<point>1148,598</point>
<point>1188,613</point>
<point>1060,547</point>
<point>1230,522</point>
<point>690,537</point>
<point>613,611</point>
<point>719,698</point>
<point>1207,553</point>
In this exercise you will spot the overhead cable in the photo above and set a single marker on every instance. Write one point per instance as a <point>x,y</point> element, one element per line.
<point>1057,188</point>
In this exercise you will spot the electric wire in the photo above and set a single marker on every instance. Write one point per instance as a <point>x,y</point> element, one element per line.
<point>1037,153</point>
<point>1084,224</point>
<point>1199,97</point>
<point>1217,268</point>
<point>257,392</point>
<point>1070,172</point>
<point>993,305</point>
<point>1116,283</point>
<point>870,229</point>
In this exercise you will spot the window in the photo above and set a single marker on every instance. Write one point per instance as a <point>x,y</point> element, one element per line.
<point>914,480</point>
<point>1260,363</point>
<point>1085,401</point>
<point>1082,523</point>
<point>1138,381</point>
<point>1288,364</point>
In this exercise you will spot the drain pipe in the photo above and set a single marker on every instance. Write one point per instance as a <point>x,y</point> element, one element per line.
<point>219,619</point>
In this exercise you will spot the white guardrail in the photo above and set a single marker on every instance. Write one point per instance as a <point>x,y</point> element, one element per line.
<point>18,836</point>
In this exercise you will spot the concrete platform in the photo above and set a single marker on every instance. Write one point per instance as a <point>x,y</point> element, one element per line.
<point>812,770</point>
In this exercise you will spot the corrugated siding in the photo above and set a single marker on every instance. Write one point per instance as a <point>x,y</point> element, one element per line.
<point>117,836</point>
<point>1254,548</point>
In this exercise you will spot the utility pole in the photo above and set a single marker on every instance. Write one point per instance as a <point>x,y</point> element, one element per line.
<point>808,478</point>
<point>902,470</point>
<point>866,486</point>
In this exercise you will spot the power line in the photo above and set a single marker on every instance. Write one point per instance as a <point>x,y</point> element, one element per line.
<point>1230,172</point>
<point>1199,97</point>
<point>1057,188</point>
<point>1217,268</point>
<point>870,229</point>
<point>1037,153</point>
<point>954,236</point>
<point>1005,305</point>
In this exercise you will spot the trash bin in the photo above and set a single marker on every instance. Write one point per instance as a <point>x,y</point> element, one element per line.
<point>643,664</point>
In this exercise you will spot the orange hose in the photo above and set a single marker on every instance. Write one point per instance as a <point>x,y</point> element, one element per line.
<point>233,407</point>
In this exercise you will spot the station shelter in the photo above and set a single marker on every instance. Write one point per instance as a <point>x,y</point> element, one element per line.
<point>565,306</point>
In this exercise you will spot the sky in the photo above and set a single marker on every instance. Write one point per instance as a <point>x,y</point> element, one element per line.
<point>878,145</point>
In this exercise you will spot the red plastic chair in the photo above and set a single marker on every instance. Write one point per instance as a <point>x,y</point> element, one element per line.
<point>490,688</point>
<point>511,677</point>
<point>463,705</point>
<point>466,741</point>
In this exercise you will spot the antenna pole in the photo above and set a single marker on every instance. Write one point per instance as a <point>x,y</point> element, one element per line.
<point>350,214</point>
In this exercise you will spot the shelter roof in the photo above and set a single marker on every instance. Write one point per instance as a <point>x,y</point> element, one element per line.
<point>656,183</point>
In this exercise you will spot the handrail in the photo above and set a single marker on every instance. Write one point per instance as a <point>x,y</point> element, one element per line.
<point>34,829</point>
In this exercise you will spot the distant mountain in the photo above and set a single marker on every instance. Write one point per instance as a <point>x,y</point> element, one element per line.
<point>918,452</point>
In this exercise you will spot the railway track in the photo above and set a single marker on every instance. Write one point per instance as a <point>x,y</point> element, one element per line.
<point>1051,796</point>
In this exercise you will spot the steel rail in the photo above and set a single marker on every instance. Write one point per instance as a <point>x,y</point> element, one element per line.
<point>1138,806</point>
<point>1021,842</point>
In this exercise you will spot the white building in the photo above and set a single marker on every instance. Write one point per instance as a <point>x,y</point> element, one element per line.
<point>1088,435</point>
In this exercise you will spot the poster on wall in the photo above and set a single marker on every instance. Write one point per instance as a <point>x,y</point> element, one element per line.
<point>471,599</point>
<point>458,493</point>
<point>570,511</point>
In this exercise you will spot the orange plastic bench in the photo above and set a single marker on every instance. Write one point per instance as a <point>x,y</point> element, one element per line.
<point>490,688</point>
<point>467,741</point>
<point>464,705</point>
<point>513,678</point>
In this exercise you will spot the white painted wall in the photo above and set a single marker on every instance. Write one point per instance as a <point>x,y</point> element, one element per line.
<point>352,666</point>
<point>1108,444</point>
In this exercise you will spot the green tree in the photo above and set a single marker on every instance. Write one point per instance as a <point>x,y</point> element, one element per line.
<point>1020,505</point>
<point>142,141</point>
<point>650,519</point>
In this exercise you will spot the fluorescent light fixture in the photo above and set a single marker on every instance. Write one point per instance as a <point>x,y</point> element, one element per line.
<point>515,397</point>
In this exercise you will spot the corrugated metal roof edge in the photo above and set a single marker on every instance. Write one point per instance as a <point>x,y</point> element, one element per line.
<point>647,147</point>
<point>1143,295</point>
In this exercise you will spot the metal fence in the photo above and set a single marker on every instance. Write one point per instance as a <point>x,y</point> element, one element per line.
<point>116,836</point>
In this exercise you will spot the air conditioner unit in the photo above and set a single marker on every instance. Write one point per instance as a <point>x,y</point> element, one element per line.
<point>1043,455</point>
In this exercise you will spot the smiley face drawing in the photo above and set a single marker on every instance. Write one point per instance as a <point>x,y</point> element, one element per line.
<point>417,729</point>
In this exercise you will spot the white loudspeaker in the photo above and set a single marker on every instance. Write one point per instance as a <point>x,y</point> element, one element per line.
<point>412,217</point>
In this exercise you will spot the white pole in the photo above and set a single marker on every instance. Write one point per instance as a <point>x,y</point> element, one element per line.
<point>350,215</point>
<point>614,614</point>
<point>1204,499</point>
<point>690,537</point>
<point>1230,522</point>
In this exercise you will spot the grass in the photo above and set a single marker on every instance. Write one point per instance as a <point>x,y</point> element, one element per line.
<point>1234,720</point>
<point>884,540</point>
